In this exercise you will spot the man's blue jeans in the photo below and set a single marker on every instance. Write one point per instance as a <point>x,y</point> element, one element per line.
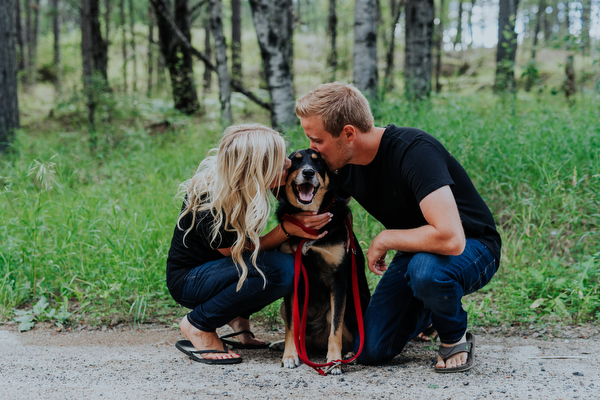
<point>420,289</point>
<point>210,289</point>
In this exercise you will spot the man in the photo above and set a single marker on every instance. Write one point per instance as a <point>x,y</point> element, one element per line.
<point>444,234</point>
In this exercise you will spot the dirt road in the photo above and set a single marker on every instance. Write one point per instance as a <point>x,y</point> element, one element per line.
<point>127,363</point>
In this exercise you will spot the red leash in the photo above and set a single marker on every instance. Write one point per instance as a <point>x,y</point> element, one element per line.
<point>300,326</point>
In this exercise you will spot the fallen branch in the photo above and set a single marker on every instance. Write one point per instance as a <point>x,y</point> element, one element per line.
<point>159,6</point>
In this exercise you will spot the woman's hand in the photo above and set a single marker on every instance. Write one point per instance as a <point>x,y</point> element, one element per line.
<point>310,220</point>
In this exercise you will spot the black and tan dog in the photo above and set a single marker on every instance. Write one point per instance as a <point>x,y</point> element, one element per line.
<point>331,319</point>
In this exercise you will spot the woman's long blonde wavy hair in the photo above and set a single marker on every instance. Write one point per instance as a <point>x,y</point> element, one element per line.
<point>233,184</point>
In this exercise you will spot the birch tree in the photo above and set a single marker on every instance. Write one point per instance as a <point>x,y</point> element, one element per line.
<point>396,8</point>
<point>57,55</point>
<point>272,23</point>
<point>332,31</point>
<point>178,57</point>
<point>236,40</point>
<point>418,60</point>
<point>9,105</point>
<point>507,46</point>
<point>365,47</point>
<point>216,27</point>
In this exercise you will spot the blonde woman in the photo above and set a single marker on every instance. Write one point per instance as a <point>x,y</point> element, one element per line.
<point>219,265</point>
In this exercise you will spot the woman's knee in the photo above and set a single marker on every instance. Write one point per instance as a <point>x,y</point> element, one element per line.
<point>278,268</point>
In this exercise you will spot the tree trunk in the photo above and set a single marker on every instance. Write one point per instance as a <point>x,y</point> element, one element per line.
<point>271,21</point>
<point>179,37</point>
<point>107,10</point>
<point>216,27</point>
<point>570,87</point>
<point>332,32</point>
<point>531,68</point>
<point>123,43</point>
<point>20,40</point>
<point>99,45</point>
<point>207,78</point>
<point>585,26</point>
<point>470,23</point>
<point>34,43</point>
<point>365,47</point>
<point>28,40</point>
<point>151,23</point>
<point>458,38</point>
<point>177,57</point>
<point>438,40</point>
<point>507,47</point>
<point>87,56</point>
<point>419,36</point>
<point>57,57</point>
<point>132,43</point>
<point>9,104</point>
<point>388,81</point>
<point>236,40</point>
<point>546,24</point>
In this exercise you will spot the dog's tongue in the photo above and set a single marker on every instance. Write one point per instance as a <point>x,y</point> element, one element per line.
<point>305,192</point>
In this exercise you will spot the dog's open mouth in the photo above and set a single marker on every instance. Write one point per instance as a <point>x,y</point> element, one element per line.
<point>305,192</point>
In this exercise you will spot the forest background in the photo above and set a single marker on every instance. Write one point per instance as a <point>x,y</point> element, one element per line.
<point>113,105</point>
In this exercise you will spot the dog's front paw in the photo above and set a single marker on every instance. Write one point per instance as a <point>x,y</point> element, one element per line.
<point>337,370</point>
<point>291,361</point>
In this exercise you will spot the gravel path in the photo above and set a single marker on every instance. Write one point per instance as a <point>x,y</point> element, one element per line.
<point>127,363</point>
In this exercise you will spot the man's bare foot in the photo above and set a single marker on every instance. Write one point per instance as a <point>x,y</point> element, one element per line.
<point>240,324</point>
<point>455,360</point>
<point>205,341</point>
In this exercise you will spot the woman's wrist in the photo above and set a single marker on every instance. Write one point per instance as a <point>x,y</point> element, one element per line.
<point>283,229</point>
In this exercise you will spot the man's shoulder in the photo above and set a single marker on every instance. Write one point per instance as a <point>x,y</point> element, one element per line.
<point>405,134</point>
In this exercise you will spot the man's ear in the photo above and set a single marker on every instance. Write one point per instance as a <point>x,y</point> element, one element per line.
<point>349,132</point>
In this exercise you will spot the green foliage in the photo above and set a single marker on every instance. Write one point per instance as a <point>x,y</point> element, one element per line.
<point>537,165</point>
<point>41,313</point>
<point>85,235</point>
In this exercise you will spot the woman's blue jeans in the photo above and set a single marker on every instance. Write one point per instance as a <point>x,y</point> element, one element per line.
<point>418,290</point>
<point>210,289</point>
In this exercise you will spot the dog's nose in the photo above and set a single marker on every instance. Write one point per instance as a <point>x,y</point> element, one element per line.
<point>308,173</point>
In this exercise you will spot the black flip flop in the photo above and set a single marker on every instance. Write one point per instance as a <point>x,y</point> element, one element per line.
<point>447,352</point>
<point>187,348</point>
<point>236,344</point>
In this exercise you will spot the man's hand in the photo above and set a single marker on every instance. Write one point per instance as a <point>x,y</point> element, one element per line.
<point>376,255</point>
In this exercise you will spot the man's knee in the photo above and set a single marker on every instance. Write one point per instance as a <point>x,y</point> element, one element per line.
<point>426,275</point>
<point>372,355</point>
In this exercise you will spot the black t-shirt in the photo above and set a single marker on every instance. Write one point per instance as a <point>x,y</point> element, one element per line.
<point>409,165</point>
<point>197,249</point>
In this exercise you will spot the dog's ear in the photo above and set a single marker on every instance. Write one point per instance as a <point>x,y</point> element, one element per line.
<point>333,180</point>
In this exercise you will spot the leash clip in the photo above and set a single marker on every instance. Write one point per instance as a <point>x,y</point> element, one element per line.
<point>332,366</point>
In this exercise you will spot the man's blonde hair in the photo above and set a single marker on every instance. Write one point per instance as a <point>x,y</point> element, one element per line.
<point>337,104</point>
<point>233,183</point>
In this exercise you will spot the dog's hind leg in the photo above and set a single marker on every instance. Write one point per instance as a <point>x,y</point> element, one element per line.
<point>334,346</point>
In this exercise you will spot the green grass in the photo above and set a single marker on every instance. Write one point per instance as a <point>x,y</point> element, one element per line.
<point>84,236</point>
<point>88,233</point>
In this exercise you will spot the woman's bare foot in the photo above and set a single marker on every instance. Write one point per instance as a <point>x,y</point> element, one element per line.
<point>428,335</point>
<point>455,360</point>
<point>239,324</point>
<point>205,341</point>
